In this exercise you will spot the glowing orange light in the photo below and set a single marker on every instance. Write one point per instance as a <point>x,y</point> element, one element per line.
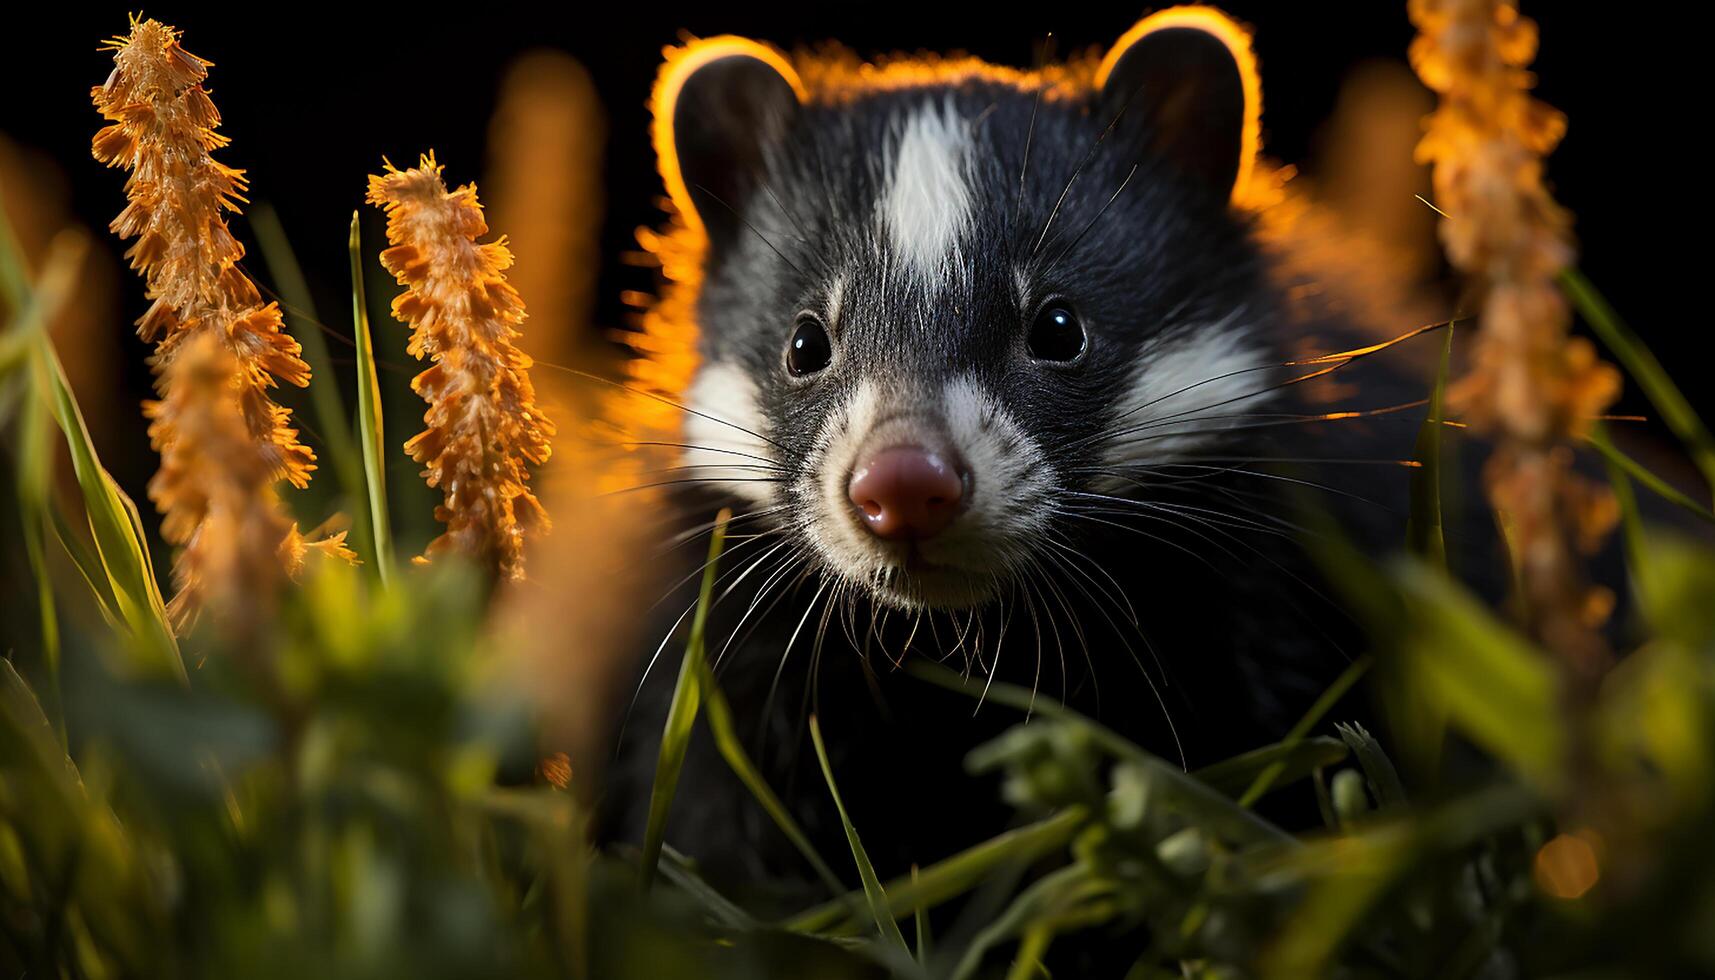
<point>555,769</point>
<point>1567,866</point>
<point>682,63</point>
<point>1238,41</point>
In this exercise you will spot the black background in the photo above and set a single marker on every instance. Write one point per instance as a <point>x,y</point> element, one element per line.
<point>315,96</point>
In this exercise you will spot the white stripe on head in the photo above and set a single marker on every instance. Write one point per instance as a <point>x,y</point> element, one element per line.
<point>926,207</point>
<point>1185,391</point>
<point>722,450</point>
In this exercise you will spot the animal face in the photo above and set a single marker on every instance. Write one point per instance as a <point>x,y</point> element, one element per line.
<point>945,308</point>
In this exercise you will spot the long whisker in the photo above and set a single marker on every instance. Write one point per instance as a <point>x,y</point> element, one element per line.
<point>1154,689</point>
<point>1092,222</point>
<point>1332,362</point>
<point>694,446</point>
<point>663,399</point>
<point>691,481</point>
<point>1076,173</point>
<point>780,669</point>
<point>1297,481</point>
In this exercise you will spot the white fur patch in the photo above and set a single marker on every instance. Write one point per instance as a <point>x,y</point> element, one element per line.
<point>926,207</point>
<point>833,526</point>
<point>1010,477</point>
<point>743,463</point>
<point>1188,390</point>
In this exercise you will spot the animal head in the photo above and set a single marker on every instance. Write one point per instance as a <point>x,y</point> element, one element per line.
<point>944,305</point>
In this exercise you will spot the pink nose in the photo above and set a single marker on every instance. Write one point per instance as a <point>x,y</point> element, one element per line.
<point>906,492</point>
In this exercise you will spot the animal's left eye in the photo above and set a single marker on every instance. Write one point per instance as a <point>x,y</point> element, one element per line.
<point>809,350</point>
<point>1056,334</point>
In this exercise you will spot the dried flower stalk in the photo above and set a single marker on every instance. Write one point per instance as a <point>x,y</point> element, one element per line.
<point>1530,385</point>
<point>483,423</point>
<point>162,130</point>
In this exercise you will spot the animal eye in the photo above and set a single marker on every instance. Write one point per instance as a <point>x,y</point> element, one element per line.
<point>809,350</point>
<point>1056,334</point>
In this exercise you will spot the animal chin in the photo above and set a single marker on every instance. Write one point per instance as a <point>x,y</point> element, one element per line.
<point>954,571</point>
<point>920,585</point>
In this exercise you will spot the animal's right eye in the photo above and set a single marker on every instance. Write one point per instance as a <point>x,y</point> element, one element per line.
<point>1056,334</point>
<point>810,350</point>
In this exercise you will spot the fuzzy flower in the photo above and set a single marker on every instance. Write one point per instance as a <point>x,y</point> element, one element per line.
<point>162,130</point>
<point>244,547</point>
<point>483,423</point>
<point>1533,387</point>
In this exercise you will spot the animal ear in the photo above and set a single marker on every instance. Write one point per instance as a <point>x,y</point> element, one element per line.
<point>1184,81</point>
<point>718,104</point>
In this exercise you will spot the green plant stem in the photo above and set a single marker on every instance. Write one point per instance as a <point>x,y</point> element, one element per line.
<point>369,421</point>
<point>943,880</point>
<point>299,306</point>
<point>718,715</point>
<point>1640,362</point>
<point>872,889</point>
<point>681,713</point>
<point>1323,705</point>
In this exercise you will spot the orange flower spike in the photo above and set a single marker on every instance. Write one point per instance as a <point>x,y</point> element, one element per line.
<point>162,130</point>
<point>236,558</point>
<point>483,425</point>
<point>1530,385</point>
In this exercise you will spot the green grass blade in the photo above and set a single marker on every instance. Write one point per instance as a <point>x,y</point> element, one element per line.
<point>1031,949</point>
<point>1318,710</point>
<point>1491,682</point>
<point>1642,365</point>
<point>113,520</point>
<point>117,529</point>
<point>14,277</point>
<point>678,870</point>
<point>1051,902</point>
<point>37,307</point>
<point>35,480</point>
<point>369,425</point>
<point>718,714</point>
<point>1271,766</point>
<point>15,348</point>
<point>88,566</point>
<point>954,876</point>
<point>1424,528</point>
<point>919,918</point>
<point>300,312</point>
<point>681,713</point>
<point>1655,484</point>
<point>1631,521</point>
<point>872,890</point>
<point>1384,779</point>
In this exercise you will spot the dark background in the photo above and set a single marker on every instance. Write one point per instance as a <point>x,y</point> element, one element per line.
<point>315,96</point>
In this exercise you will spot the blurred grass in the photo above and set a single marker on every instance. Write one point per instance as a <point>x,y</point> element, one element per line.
<point>1645,370</point>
